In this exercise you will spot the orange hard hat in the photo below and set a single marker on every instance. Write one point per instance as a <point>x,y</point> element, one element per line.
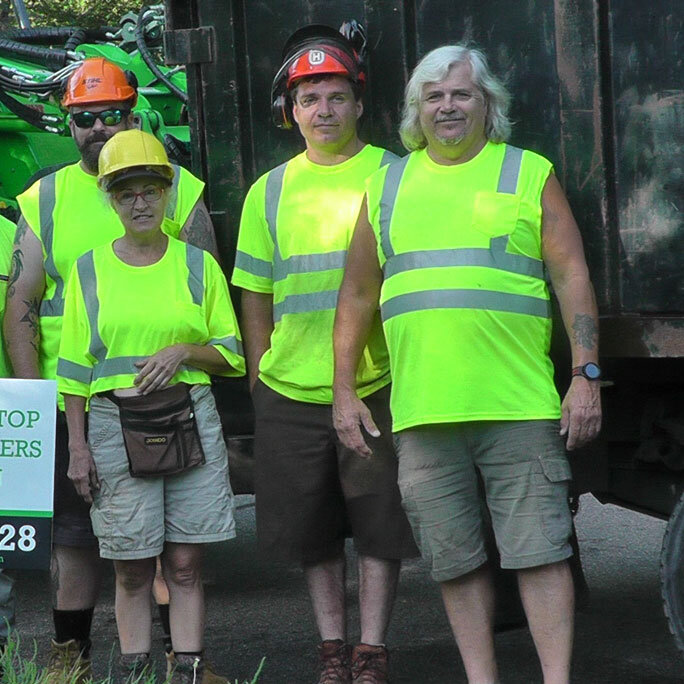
<point>325,59</point>
<point>98,80</point>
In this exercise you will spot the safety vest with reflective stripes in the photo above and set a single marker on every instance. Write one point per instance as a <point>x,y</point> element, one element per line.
<point>6,239</point>
<point>464,300</point>
<point>117,315</point>
<point>296,226</point>
<point>70,215</point>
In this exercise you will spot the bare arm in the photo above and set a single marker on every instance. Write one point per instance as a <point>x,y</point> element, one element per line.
<point>22,309</point>
<point>198,230</point>
<point>157,371</point>
<point>356,307</point>
<point>257,326</point>
<point>563,255</point>
<point>82,471</point>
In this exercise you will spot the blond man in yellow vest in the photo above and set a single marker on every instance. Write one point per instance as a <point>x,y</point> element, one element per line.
<point>64,215</point>
<point>452,242</point>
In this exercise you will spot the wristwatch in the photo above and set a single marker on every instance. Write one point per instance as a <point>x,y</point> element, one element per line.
<point>590,371</point>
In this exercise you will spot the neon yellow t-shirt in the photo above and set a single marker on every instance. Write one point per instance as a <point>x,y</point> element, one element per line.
<point>297,223</point>
<point>70,215</point>
<point>6,240</point>
<point>464,300</point>
<point>116,314</point>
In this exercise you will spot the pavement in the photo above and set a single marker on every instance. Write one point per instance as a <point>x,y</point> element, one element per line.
<point>257,610</point>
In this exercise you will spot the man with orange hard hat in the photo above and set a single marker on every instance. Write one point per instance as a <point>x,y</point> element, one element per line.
<point>64,215</point>
<point>311,493</point>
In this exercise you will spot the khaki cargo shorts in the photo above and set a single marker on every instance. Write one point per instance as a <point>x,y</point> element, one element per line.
<point>526,477</point>
<point>134,517</point>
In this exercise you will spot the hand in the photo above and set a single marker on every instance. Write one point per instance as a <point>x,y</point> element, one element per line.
<point>348,413</point>
<point>82,472</point>
<point>157,371</point>
<point>581,412</point>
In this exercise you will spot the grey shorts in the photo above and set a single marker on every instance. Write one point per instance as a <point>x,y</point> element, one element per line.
<point>134,517</point>
<point>526,477</point>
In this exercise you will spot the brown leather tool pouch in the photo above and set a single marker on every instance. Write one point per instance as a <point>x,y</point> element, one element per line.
<point>160,432</point>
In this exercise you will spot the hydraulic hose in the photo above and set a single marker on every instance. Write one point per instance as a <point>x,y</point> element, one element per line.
<point>53,58</point>
<point>78,37</point>
<point>46,122</point>
<point>147,58</point>
<point>53,36</point>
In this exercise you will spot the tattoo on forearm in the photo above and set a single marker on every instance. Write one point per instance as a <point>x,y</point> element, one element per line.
<point>16,267</point>
<point>31,317</point>
<point>22,227</point>
<point>584,331</point>
<point>199,231</point>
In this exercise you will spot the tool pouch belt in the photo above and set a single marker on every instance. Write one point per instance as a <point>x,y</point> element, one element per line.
<point>160,432</point>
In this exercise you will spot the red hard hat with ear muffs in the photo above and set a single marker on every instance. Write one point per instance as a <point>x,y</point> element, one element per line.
<point>316,50</point>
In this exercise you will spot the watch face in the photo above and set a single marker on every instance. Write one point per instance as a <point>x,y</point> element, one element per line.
<point>591,371</point>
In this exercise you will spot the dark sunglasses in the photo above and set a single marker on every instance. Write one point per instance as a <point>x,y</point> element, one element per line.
<point>110,117</point>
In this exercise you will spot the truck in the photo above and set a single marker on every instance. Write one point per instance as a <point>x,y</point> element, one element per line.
<point>597,89</point>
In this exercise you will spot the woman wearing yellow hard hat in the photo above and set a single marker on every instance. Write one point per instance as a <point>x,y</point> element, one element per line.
<point>147,319</point>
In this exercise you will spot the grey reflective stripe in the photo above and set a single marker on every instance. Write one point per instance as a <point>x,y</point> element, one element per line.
<point>510,170</point>
<point>194,258</point>
<point>388,158</point>
<point>305,303</point>
<point>74,371</point>
<point>258,267</point>
<point>46,208</point>
<point>173,193</point>
<point>465,299</point>
<point>52,307</point>
<point>494,257</point>
<point>86,274</point>
<point>118,365</point>
<point>310,263</point>
<point>231,343</point>
<point>389,195</point>
<point>274,187</point>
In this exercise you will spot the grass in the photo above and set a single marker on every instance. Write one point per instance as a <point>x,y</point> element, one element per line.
<point>18,669</point>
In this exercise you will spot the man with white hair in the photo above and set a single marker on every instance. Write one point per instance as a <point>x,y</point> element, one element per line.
<point>453,241</point>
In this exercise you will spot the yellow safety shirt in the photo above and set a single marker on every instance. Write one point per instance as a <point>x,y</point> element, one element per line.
<point>7,229</point>
<point>70,215</point>
<point>297,223</point>
<point>464,301</point>
<point>116,314</point>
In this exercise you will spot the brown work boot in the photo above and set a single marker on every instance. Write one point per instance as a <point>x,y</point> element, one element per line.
<point>189,669</point>
<point>369,664</point>
<point>334,655</point>
<point>67,663</point>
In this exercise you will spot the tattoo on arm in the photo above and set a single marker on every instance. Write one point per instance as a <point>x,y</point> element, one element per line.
<point>199,231</point>
<point>31,317</point>
<point>22,227</point>
<point>584,331</point>
<point>16,267</point>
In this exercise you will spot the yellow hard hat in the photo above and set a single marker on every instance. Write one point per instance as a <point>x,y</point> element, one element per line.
<point>132,154</point>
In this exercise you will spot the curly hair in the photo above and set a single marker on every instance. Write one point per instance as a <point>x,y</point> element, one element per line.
<point>433,68</point>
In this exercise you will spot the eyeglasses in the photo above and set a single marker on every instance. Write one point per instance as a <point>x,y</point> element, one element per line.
<point>110,117</point>
<point>127,198</point>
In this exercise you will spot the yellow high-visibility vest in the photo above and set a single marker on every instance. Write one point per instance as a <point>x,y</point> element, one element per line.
<point>464,301</point>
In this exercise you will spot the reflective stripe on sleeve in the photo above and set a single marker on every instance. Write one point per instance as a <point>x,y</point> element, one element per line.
<point>252,265</point>
<point>231,343</point>
<point>305,303</point>
<point>74,371</point>
<point>465,299</point>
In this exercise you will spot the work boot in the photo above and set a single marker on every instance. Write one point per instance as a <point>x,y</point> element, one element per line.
<point>369,664</point>
<point>68,662</point>
<point>134,668</point>
<point>187,669</point>
<point>334,657</point>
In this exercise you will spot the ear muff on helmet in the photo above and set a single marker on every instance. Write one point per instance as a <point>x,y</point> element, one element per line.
<point>310,51</point>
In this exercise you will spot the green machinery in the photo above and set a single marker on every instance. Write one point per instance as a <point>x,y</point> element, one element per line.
<point>34,66</point>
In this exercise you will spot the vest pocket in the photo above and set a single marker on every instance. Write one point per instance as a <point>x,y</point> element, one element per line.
<point>495,213</point>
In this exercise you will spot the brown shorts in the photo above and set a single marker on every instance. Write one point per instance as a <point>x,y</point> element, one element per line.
<point>312,493</point>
